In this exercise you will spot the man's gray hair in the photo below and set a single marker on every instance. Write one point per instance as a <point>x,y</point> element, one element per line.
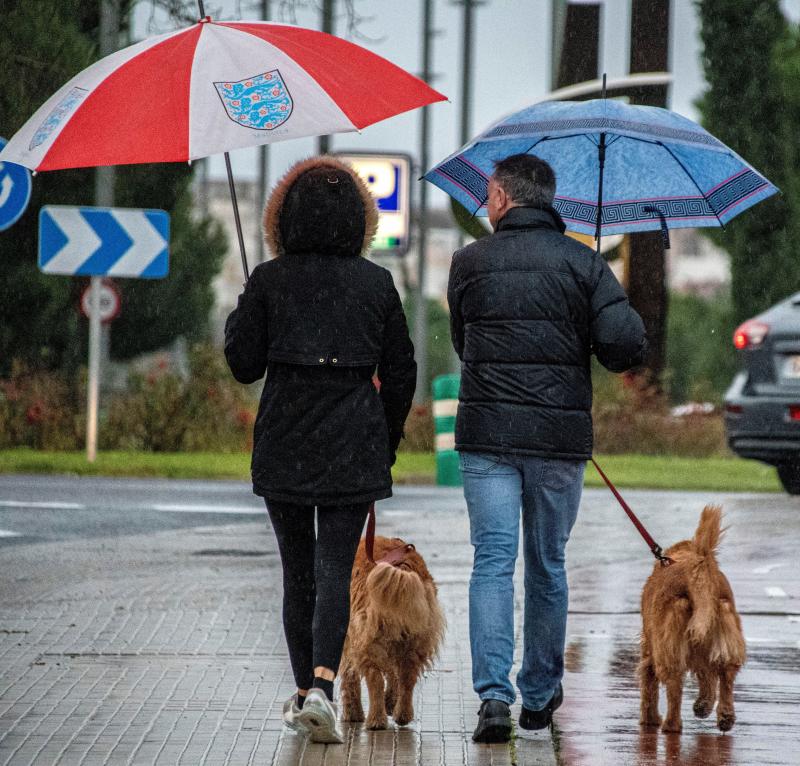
<point>528,180</point>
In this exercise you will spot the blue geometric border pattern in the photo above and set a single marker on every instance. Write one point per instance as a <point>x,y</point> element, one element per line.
<point>725,196</point>
<point>736,189</point>
<point>467,176</point>
<point>603,124</point>
<point>622,213</point>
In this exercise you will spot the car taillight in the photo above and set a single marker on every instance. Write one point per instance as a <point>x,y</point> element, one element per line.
<point>750,334</point>
<point>734,409</point>
<point>794,412</point>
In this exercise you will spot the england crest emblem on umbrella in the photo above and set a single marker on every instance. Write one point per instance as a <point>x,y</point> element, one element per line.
<point>261,102</point>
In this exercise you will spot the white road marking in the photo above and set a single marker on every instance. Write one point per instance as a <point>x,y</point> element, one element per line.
<point>794,618</point>
<point>8,533</point>
<point>773,591</point>
<point>249,509</point>
<point>48,506</point>
<point>768,568</point>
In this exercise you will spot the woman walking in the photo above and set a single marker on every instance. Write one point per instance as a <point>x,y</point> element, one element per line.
<point>320,320</point>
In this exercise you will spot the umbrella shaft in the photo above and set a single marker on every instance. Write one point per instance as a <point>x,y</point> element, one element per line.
<point>601,156</point>
<point>236,215</point>
<point>201,9</point>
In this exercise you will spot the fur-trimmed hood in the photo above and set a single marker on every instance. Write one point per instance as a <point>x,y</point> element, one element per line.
<point>321,205</point>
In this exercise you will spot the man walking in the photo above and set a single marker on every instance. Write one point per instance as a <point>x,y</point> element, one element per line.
<point>528,307</point>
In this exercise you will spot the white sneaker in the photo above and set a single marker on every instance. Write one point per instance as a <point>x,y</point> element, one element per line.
<point>290,714</point>
<point>320,718</point>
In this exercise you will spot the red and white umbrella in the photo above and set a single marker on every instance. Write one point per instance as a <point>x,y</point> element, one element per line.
<point>209,89</point>
<point>212,88</point>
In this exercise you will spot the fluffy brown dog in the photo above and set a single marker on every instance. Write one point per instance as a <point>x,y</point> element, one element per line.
<point>690,624</point>
<point>396,627</point>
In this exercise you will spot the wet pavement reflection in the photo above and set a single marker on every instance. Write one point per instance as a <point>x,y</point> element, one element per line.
<point>608,564</point>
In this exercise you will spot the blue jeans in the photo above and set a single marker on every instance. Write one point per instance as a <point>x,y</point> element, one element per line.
<point>549,492</point>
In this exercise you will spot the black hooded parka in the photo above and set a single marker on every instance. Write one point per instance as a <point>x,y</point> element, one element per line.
<point>320,321</point>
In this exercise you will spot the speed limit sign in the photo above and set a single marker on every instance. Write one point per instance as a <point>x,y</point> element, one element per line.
<point>110,301</point>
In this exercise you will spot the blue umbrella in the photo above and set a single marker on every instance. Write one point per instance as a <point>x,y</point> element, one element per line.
<point>619,168</point>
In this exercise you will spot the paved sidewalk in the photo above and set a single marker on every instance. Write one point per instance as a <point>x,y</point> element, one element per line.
<point>167,648</point>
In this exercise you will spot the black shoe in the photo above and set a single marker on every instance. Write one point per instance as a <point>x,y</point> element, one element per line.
<point>541,719</point>
<point>494,724</point>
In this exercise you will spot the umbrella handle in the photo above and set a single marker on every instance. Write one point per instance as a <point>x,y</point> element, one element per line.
<point>663,221</point>
<point>236,215</point>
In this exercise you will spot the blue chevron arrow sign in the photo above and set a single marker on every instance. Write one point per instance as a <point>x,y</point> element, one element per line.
<point>97,241</point>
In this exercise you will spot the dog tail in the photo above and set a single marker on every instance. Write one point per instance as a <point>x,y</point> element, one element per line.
<point>703,576</point>
<point>709,531</point>
<point>398,596</point>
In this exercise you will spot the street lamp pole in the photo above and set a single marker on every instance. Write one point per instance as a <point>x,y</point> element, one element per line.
<point>104,197</point>
<point>328,11</point>
<point>263,170</point>
<point>421,307</point>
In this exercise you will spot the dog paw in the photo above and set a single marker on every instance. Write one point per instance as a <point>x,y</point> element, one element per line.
<point>653,721</point>
<point>702,708</point>
<point>403,717</point>
<point>353,715</point>
<point>725,721</point>
<point>376,723</point>
<point>672,727</point>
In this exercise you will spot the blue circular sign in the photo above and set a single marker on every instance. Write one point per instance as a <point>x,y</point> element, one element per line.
<point>15,191</point>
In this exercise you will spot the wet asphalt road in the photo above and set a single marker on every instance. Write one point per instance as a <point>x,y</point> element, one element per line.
<point>608,563</point>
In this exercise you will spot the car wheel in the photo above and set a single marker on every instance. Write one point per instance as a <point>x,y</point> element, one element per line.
<point>789,474</point>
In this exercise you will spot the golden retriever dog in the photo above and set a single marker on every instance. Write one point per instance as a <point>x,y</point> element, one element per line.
<point>690,624</point>
<point>396,628</point>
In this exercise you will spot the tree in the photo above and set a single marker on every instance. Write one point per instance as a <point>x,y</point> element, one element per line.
<point>439,343</point>
<point>751,60</point>
<point>38,320</point>
<point>155,312</point>
<point>52,40</point>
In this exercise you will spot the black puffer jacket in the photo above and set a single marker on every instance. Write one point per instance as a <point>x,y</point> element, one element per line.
<point>320,320</point>
<point>528,306</point>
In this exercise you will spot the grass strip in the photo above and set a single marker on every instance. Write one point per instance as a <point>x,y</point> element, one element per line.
<point>719,474</point>
<point>630,471</point>
<point>411,467</point>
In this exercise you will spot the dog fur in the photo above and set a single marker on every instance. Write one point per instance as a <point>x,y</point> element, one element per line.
<point>690,624</point>
<point>396,629</point>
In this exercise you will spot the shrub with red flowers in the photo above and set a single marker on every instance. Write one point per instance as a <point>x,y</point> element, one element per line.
<point>632,416</point>
<point>164,412</point>
<point>418,431</point>
<point>44,410</point>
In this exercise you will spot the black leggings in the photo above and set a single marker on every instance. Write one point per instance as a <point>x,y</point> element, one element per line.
<point>316,581</point>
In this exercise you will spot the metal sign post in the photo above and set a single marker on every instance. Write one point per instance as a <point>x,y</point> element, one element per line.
<point>97,242</point>
<point>104,196</point>
<point>93,398</point>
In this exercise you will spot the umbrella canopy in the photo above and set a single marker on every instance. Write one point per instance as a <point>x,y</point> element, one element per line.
<point>658,168</point>
<point>212,88</point>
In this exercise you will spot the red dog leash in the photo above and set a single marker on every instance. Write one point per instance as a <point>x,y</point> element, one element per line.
<point>655,548</point>
<point>395,556</point>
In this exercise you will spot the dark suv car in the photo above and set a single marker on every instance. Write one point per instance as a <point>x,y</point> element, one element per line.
<point>762,405</point>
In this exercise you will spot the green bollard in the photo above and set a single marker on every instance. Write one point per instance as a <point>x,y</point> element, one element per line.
<point>445,404</point>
